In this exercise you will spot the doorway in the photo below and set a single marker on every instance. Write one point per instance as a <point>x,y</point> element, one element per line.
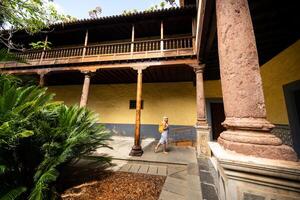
<point>292,100</point>
<point>217,117</point>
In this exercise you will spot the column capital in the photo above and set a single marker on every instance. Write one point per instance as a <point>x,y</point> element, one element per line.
<point>88,72</point>
<point>139,68</point>
<point>42,72</point>
<point>198,68</point>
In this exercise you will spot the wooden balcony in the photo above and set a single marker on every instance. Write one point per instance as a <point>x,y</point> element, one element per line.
<point>145,49</point>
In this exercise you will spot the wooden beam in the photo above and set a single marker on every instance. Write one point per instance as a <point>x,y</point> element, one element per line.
<point>187,61</point>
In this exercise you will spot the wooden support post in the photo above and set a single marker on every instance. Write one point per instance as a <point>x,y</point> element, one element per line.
<point>137,149</point>
<point>132,40</point>
<point>194,22</point>
<point>162,35</point>
<point>85,89</point>
<point>85,42</point>
<point>44,49</point>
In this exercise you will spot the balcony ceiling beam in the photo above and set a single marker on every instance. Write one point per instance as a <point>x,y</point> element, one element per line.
<point>141,64</point>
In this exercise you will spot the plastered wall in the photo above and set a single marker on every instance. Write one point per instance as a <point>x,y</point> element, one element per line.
<point>177,100</point>
<point>284,68</point>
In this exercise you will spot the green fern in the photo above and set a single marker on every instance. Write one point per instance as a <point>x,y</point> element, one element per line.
<point>38,137</point>
<point>13,194</point>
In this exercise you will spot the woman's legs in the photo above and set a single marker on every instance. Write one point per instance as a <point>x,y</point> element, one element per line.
<point>165,147</point>
<point>157,146</point>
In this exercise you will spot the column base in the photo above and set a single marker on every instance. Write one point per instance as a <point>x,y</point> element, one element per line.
<point>258,144</point>
<point>240,177</point>
<point>202,147</point>
<point>136,151</point>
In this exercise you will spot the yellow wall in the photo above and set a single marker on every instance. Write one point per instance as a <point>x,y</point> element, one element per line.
<point>282,69</point>
<point>212,89</point>
<point>111,101</point>
<point>178,101</point>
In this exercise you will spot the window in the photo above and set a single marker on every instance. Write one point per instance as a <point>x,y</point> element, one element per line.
<point>132,104</point>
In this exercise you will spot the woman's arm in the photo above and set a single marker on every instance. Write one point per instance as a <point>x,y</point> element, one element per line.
<point>166,125</point>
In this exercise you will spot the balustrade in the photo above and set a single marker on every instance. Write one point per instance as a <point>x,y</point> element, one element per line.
<point>113,48</point>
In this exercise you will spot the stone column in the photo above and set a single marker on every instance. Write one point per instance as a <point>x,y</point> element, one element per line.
<point>137,149</point>
<point>201,126</point>
<point>85,89</point>
<point>42,80</point>
<point>248,131</point>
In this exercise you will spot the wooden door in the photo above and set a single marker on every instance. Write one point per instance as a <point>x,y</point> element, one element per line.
<point>217,116</point>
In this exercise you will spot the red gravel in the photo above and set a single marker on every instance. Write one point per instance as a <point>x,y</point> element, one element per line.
<point>114,186</point>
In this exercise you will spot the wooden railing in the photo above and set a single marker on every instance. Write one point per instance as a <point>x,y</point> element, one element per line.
<point>63,52</point>
<point>112,48</point>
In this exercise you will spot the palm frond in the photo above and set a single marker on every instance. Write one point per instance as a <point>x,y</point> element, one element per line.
<point>38,192</point>
<point>13,193</point>
<point>3,168</point>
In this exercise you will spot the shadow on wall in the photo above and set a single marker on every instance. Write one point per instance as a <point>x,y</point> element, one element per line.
<point>292,100</point>
<point>176,132</point>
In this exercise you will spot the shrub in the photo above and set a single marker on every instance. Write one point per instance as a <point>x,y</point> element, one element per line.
<point>38,137</point>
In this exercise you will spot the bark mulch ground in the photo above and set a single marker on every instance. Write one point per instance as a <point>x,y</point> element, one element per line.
<point>97,184</point>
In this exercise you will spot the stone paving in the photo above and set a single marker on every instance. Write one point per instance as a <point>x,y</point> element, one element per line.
<point>207,181</point>
<point>186,177</point>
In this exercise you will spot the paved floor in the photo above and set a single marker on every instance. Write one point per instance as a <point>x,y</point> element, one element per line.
<point>186,177</point>
<point>207,181</point>
<point>122,146</point>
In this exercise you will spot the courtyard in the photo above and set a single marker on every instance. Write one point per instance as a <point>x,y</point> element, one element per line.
<point>148,100</point>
